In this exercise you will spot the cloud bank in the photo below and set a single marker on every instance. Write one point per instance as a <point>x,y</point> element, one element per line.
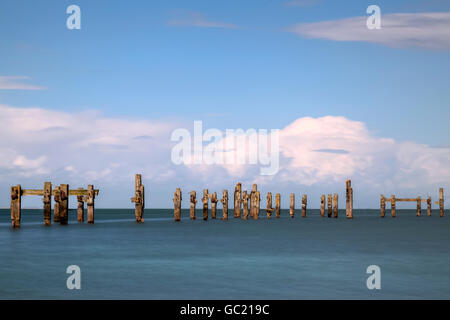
<point>316,155</point>
<point>421,30</point>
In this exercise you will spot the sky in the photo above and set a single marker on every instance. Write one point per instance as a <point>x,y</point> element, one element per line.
<point>99,104</point>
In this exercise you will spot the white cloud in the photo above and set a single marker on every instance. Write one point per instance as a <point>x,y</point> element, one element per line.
<point>424,30</point>
<point>197,19</point>
<point>38,145</point>
<point>16,83</point>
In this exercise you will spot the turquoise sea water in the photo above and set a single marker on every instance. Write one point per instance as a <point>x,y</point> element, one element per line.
<point>301,258</point>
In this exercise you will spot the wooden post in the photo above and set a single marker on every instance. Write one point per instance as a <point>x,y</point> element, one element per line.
<point>214,205</point>
<point>383,205</point>
<point>16,205</point>
<point>269,208</point>
<point>292,205</point>
<point>205,201</point>
<point>258,203</point>
<point>330,205</point>
<point>47,199</point>
<point>139,199</point>
<point>349,200</point>
<point>64,204</point>
<point>419,206</point>
<point>90,204</point>
<point>429,206</point>
<point>277,205</point>
<point>237,200</point>
<point>80,209</point>
<point>441,202</point>
<point>393,208</point>
<point>335,205</point>
<point>177,205</point>
<point>245,198</point>
<point>224,201</point>
<point>57,198</point>
<point>322,206</point>
<point>304,203</point>
<point>193,203</point>
<point>253,201</point>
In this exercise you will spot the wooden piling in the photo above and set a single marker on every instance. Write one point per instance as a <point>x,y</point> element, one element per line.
<point>258,203</point>
<point>277,205</point>
<point>64,204</point>
<point>292,205</point>
<point>322,206</point>
<point>205,201</point>
<point>330,205</point>
<point>47,200</point>
<point>80,208</point>
<point>139,199</point>
<point>16,206</point>
<point>245,198</point>
<point>441,202</point>
<point>383,206</point>
<point>214,205</point>
<point>304,203</point>
<point>269,208</point>
<point>224,201</point>
<point>177,205</point>
<point>393,207</point>
<point>90,201</point>
<point>193,204</point>
<point>429,206</point>
<point>237,200</point>
<point>335,205</point>
<point>419,207</point>
<point>349,200</point>
<point>57,198</point>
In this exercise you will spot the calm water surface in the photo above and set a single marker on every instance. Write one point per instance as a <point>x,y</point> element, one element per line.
<point>301,258</point>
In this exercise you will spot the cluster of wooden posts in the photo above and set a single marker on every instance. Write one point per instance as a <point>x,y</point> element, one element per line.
<point>60,195</point>
<point>242,199</point>
<point>393,200</point>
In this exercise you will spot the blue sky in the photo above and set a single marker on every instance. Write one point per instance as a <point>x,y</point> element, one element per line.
<point>232,64</point>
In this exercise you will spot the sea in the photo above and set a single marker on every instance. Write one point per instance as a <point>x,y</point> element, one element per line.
<point>287,258</point>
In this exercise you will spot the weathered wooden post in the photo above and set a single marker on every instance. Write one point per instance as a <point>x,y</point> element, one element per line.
<point>304,203</point>
<point>90,201</point>
<point>277,205</point>
<point>393,207</point>
<point>214,205</point>
<point>253,201</point>
<point>330,205</point>
<point>16,205</point>
<point>269,208</point>
<point>441,202</point>
<point>383,205</point>
<point>47,200</point>
<point>177,205</point>
<point>335,205</point>
<point>193,203</point>
<point>80,209</point>
<point>322,206</point>
<point>349,200</point>
<point>57,198</point>
<point>64,204</point>
<point>237,200</point>
<point>258,203</point>
<point>205,201</point>
<point>245,198</point>
<point>292,205</point>
<point>139,199</point>
<point>224,201</point>
<point>419,206</point>
<point>429,206</point>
